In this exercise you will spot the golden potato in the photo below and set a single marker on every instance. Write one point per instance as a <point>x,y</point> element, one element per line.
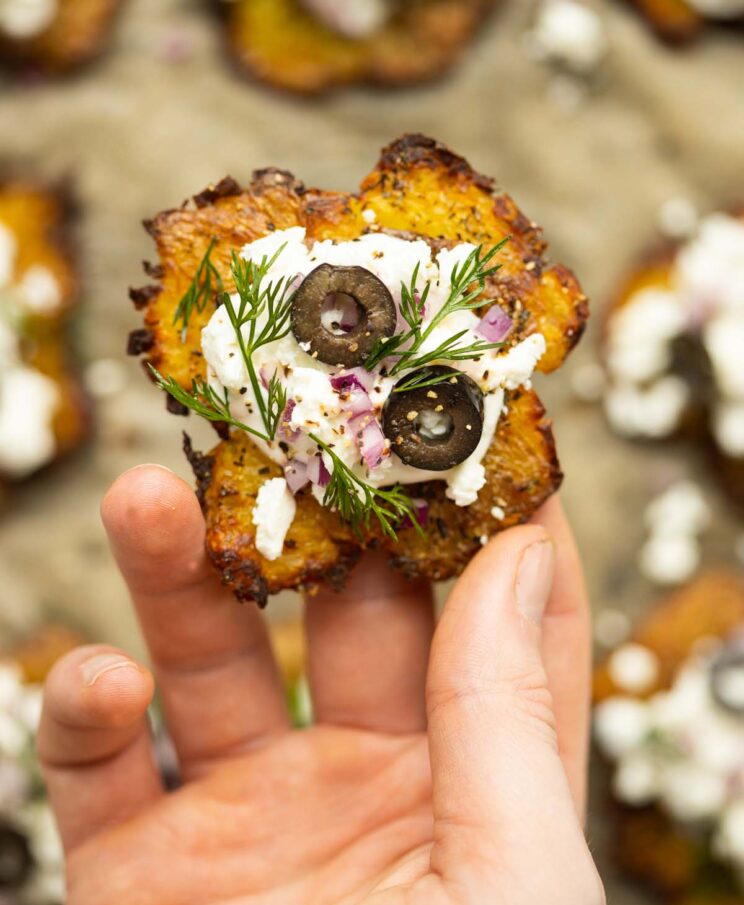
<point>417,187</point>
<point>279,42</point>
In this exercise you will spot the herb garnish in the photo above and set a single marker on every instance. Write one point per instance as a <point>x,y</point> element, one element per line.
<point>356,501</point>
<point>205,284</point>
<point>467,284</point>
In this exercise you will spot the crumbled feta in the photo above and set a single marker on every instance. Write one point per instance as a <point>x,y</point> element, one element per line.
<point>634,668</point>
<point>678,218</point>
<point>317,406</point>
<point>24,19</point>
<point>569,33</point>
<point>40,289</point>
<point>273,514</point>
<point>621,724</point>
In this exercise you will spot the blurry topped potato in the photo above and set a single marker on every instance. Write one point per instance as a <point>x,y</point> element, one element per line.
<point>309,46</point>
<point>54,36</point>
<point>43,411</point>
<point>669,719</point>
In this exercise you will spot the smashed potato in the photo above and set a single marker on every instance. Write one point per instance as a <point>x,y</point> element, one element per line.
<point>418,187</point>
<point>40,220</point>
<point>676,21</point>
<point>280,42</point>
<point>77,34</point>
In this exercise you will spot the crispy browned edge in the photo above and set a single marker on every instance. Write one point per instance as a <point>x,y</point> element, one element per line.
<point>653,268</point>
<point>648,845</point>
<point>676,21</point>
<point>422,43</point>
<point>319,546</point>
<point>50,345</point>
<point>78,35</point>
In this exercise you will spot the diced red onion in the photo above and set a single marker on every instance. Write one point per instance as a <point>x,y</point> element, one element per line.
<point>495,326</point>
<point>370,438</point>
<point>263,373</point>
<point>295,474</point>
<point>421,511</point>
<point>317,471</point>
<point>284,427</point>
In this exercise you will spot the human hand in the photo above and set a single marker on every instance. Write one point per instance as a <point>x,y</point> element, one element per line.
<point>438,772</point>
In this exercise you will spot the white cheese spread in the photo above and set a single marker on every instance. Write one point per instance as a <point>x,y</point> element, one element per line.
<point>273,514</point>
<point>316,407</point>
<point>569,33</point>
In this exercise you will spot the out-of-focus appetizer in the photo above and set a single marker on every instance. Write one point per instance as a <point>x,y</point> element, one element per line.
<point>309,46</point>
<point>368,361</point>
<point>680,21</point>
<point>54,35</point>
<point>673,343</point>
<point>31,864</point>
<point>669,718</point>
<point>43,413</point>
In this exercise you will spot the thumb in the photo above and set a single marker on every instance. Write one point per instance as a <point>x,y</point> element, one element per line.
<point>499,783</point>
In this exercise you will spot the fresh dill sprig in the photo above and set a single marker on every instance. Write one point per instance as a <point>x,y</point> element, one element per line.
<point>203,400</point>
<point>356,501</point>
<point>264,309</point>
<point>207,281</point>
<point>467,283</point>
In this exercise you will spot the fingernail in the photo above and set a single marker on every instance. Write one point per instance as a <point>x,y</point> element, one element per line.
<point>97,666</point>
<point>535,579</point>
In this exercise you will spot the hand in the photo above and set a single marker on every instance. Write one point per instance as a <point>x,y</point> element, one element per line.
<point>439,772</point>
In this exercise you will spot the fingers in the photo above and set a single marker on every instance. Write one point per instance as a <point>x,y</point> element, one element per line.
<point>566,650</point>
<point>94,742</point>
<point>368,649</point>
<point>219,683</point>
<point>498,779</point>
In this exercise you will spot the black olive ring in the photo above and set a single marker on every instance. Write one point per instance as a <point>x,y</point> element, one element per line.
<point>438,426</point>
<point>376,309</point>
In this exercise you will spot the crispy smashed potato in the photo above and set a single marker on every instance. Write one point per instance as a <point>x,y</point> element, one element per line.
<point>648,844</point>
<point>37,655</point>
<point>279,42</point>
<point>654,271</point>
<point>676,21</point>
<point>77,34</point>
<point>417,187</point>
<point>40,218</point>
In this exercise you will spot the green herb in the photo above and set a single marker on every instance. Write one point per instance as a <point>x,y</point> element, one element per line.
<point>203,400</point>
<point>356,501</point>
<point>272,304</point>
<point>205,284</point>
<point>467,284</point>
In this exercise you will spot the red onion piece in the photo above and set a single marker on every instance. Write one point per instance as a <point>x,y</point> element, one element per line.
<point>295,474</point>
<point>495,326</point>
<point>317,471</point>
<point>284,429</point>
<point>370,439</point>
<point>421,511</point>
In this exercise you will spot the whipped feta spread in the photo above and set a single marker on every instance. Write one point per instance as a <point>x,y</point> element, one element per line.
<point>28,399</point>
<point>315,407</point>
<point>705,299</point>
<point>683,751</point>
<point>24,19</point>
<point>356,19</point>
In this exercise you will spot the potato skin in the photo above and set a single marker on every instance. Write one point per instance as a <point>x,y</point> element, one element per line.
<point>648,844</point>
<point>654,271</point>
<point>77,35</point>
<point>42,218</point>
<point>278,42</point>
<point>418,186</point>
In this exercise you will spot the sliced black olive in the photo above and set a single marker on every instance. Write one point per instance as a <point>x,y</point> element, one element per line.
<point>727,678</point>
<point>340,312</point>
<point>434,427</point>
<point>15,857</point>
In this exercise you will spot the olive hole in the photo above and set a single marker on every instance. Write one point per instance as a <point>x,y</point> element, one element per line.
<point>340,313</point>
<point>434,427</point>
